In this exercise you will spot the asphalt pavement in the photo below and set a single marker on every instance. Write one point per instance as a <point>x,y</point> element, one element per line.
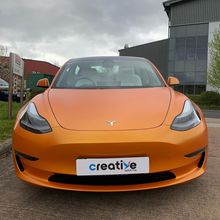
<point>211,113</point>
<point>199,199</point>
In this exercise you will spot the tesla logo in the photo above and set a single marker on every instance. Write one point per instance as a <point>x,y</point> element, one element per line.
<point>111,123</point>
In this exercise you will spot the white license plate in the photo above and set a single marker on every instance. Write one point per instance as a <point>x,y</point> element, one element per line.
<point>112,166</point>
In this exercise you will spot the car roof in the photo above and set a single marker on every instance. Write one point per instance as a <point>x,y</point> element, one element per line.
<point>3,81</point>
<point>97,58</point>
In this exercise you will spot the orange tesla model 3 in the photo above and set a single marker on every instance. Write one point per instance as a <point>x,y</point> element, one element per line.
<point>109,124</point>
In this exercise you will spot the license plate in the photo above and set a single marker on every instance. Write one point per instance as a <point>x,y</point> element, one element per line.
<point>112,166</point>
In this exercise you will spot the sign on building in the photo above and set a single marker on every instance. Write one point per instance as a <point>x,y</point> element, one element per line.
<point>17,68</point>
<point>17,65</point>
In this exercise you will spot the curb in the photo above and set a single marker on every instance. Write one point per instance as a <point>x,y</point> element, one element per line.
<point>5,147</point>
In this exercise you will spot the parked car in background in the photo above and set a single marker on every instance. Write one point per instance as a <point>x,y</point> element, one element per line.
<point>4,86</point>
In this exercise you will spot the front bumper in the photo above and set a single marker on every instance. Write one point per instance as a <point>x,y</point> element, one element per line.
<point>56,154</point>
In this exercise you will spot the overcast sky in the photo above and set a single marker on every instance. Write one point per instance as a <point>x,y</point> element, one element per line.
<point>56,30</point>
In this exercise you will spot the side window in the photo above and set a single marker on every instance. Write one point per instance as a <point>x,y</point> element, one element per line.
<point>77,70</point>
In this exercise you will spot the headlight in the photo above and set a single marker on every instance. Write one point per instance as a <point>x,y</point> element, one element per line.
<point>32,121</point>
<point>187,119</point>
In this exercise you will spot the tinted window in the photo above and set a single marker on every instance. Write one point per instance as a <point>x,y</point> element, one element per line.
<point>109,73</point>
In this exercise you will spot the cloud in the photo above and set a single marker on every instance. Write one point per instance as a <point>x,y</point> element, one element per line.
<point>56,30</point>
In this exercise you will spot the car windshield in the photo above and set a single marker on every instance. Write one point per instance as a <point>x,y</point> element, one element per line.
<point>3,83</point>
<point>109,73</point>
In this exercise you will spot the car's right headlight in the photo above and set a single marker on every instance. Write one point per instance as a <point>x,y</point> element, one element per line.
<point>32,121</point>
<point>187,119</point>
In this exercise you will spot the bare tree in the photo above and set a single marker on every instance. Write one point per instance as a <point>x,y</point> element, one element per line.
<point>3,50</point>
<point>4,53</point>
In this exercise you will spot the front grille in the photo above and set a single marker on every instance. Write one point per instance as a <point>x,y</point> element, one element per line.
<point>112,179</point>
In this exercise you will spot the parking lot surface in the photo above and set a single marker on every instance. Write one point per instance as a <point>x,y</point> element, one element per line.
<point>199,199</point>
<point>211,113</point>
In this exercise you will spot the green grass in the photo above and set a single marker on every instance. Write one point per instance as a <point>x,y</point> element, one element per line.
<point>6,125</point>
<point>197,99</point>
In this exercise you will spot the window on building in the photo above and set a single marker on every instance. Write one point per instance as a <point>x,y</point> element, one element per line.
<point>200,78</point>
<point>190,48</point>
<point>185,78</point>
<point>189,89</point>
<point>202,48</point>
<point>180,48</point>
<point>199,89</point>
<point>190,63</point>
<point>180,77</point>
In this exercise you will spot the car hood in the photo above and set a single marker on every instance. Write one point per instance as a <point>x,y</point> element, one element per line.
<point>109,109</point>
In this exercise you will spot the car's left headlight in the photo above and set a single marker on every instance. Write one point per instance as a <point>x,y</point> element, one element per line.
<point>187,119</point>
<point>32,121</point>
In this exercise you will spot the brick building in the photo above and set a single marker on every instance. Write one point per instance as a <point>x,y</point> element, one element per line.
<point>30,67</point>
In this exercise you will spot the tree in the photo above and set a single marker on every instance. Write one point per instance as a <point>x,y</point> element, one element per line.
<point>3,50</point>
<point>214,68</point>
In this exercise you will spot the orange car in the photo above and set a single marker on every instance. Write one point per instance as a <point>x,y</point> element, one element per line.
<point>109,124</point>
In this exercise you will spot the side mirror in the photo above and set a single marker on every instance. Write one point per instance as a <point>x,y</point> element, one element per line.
<point>173,81</point>
<point>43,83</point>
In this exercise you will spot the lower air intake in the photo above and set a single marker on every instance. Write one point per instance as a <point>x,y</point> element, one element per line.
<point>112,179</point>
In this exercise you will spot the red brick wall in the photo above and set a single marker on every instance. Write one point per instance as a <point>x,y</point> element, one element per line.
<point>4,68</point>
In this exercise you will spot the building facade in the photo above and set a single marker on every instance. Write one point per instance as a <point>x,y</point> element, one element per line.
<point>191,27</point>
<point>156,52</point>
